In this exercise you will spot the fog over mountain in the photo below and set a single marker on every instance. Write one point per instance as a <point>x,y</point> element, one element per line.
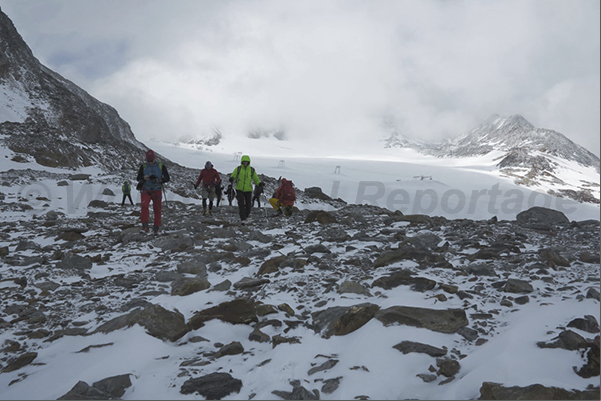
<point>328,73</point>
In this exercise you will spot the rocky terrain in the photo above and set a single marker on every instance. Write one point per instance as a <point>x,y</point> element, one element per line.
<point>329,273</point>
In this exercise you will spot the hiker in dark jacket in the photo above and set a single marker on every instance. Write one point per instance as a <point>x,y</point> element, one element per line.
<point>284,197</point>
<point>151,177</point>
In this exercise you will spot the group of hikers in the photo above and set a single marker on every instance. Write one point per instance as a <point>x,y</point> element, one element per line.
<point>153,174</point>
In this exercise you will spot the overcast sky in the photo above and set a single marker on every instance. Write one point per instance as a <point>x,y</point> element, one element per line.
<point>326,69</point>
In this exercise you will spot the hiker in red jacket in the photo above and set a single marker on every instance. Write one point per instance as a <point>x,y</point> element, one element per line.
<point>210,180</point>
<point>284,197</point>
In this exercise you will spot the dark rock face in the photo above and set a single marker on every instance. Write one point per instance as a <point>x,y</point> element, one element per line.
<point>71,116</point>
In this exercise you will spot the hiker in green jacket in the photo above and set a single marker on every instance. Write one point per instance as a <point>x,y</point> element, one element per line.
<point>244,175</point>
<point>126,188</point>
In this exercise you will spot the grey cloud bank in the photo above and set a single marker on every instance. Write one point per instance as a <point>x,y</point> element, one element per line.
<point>326,71</point>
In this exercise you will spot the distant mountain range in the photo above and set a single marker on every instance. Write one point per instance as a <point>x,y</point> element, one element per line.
<point>533,157</point>
<point>46,118</point>
<point>506,134</point>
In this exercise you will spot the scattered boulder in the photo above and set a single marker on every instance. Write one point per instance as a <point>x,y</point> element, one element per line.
<point>447,367</point>
<point>20,361</point>
<point>517,286</point>
<point>553,258</point>
<point>158,321</point>
<point>407,347</point>
<point>567,339</point>
<point>298,393</point>
<point>353,287</point>
<point>83,391</point>
<point>271,265</point>
<point>98,203</point>
<point>183,286</point>
<point>213,386</point>
<point>538,216</point>
<point>496,391</point>
<point>111,388</point>
<point>588,323</point>
<point>404,277</point>
<point>440,320</point>
<point>591,367</point>
<point>341,320</point>
<point>233,348</point>
<point>238,311</point>
<point>114,386</point>
<point>320,216</point>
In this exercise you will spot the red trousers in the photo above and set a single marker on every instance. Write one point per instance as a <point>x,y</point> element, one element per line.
<point>156,198</point>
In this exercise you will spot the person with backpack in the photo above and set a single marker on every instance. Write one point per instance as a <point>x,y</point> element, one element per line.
<point>244,175</point>
<point>284,197</point>
<point>126,188</point>
<point>151,177</point>
<point>210,180</point>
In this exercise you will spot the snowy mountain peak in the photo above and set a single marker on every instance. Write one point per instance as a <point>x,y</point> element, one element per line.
<point>507,133</point>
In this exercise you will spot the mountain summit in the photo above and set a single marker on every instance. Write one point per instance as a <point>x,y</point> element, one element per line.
<point>515,132</point>
<point>48,118</point>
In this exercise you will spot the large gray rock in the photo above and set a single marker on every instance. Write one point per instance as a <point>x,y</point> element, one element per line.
<point>111,388</point>
<point>440,320</point>
<point>407,347</point>
<point>496,391</point>
<point>158,321</point>
<point>538,215</point>
<point>114,386</point>
<point>238,311</point>
<point>404,277</point>
<point>213,386</point>
<point>341,320</point>
<point>183,286</point>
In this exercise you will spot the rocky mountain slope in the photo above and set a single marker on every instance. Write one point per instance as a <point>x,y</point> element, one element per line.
<point>51,120</point>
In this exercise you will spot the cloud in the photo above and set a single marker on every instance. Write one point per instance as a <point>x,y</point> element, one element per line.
<point>329,70</point>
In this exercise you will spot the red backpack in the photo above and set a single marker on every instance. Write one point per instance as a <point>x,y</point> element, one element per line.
<point>287,192</point>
